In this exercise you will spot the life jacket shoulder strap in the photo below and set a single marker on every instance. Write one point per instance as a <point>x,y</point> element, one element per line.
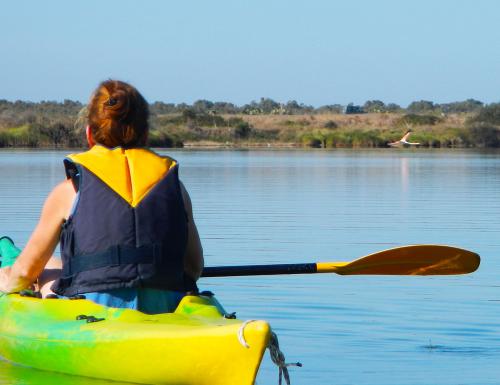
<point>73,173</point>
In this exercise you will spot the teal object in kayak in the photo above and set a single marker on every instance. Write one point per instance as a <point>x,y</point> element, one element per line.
<point>8,252</point>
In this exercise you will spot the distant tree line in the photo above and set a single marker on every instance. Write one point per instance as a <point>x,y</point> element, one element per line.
<point>269,106</point>
<point>17,113</point>
<point>50,123</point>
<point>45,123</point>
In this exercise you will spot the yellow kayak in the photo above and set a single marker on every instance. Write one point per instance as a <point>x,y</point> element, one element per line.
<point>197,344</point>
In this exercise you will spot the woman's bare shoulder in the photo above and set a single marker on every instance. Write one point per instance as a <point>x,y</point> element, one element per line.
<point>63,190</point>
<point>61,198</point>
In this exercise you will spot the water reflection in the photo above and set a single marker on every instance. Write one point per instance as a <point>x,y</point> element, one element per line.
<point>405,174</point>
<point>304,206</point>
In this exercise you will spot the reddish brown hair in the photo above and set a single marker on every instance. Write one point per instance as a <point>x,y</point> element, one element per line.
<point>118,115</point>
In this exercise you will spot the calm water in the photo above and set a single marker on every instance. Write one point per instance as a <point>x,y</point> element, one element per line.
<point>305,206</point>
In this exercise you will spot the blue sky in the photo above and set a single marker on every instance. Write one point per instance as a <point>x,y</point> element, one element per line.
<point>316,51</point>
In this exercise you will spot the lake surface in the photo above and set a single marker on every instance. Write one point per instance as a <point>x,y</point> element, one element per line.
<point>292,206</point>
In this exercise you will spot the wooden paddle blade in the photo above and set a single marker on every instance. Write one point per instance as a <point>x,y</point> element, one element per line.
<point>414,260</point>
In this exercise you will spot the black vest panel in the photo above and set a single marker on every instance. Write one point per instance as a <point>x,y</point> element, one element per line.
<point>108,244</point>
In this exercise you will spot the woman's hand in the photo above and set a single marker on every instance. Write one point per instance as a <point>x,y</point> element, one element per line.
<point>6,282</point>
<point>4,279</point>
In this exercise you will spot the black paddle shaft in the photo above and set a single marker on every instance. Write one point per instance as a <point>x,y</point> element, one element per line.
<point>234,271</point>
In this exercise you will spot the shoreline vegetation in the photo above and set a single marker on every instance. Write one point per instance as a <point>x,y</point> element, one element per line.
<point>267,123</point>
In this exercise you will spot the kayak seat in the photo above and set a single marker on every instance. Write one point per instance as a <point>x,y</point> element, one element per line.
<point>146,300</point>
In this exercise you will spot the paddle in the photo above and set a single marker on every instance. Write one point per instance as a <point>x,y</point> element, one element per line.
<point>405,260</point>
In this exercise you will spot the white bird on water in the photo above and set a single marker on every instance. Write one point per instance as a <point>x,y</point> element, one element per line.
<point>404,141</point>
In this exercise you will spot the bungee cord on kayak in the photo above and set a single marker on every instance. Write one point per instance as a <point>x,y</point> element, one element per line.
<point>241,331</point>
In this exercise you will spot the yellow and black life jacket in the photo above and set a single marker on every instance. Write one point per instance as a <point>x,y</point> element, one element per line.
<point>128,227</point>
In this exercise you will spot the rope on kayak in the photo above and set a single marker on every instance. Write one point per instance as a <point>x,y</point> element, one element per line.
<point>277,355</point>
<point>279,359</point>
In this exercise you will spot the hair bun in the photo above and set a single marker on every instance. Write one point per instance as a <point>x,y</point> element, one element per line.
<point>118,115</point>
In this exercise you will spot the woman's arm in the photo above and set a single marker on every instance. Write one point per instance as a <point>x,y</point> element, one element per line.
<point>43,241</point>
<point>193,259</point>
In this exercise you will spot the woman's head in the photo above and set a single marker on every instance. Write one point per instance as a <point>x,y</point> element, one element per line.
<point>118,115</point>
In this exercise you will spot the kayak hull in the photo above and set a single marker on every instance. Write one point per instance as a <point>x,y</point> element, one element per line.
<point>194,345</point>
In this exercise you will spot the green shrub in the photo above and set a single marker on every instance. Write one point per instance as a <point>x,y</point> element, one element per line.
<point>168,120</point>
<point>355,138</point>
<point>418,120</point>
<point>316,140</point>
<point>288,135</point>
<point>330,124</point>
<point>335,139</point>
<point>19,137</point>
<point>485,135</point>
<point>162,139</point>
<point>4,139</point>
<point>233,122</point>
<point>296,123</point>
<point>488,115</point>
<point>242,130</point>
<point>266,135</point>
